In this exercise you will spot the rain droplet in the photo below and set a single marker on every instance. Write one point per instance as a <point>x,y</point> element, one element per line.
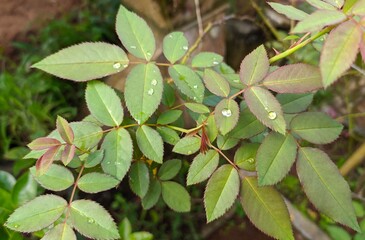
<point>148,54</point>
<point>107,162</point>
<point>90,220</point>
<point>154,82</point>
<point>170,36</point>
<point>195,86</point>
<point>272,115</point>
<point>226,112</point>
<point>236,80</point>
<point>215,63</point>
<point>133,47</point>
<point>116,65</point>
<point>250,160</point>
<point>16,226</point>
<point>150,91</point>
<point>125,65</point>
<point>189,152</point>
<point>185,47</point>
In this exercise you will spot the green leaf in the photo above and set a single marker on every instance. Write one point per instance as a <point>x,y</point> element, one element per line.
<point>289,11</point>
<point>221,192</point>
<point>168,95</point>
<point>226,142</point>
<point>143,91</point>
<point>60,232</point>
<point>266,108</point>
<point>254,66</point>
<point>202,167</point>
<point>187,145</point>
<point>294,78</point>
<point>96,182</point>
<point>169,169</point>
<point>43,143</point>
<point>336,3</point>
<point>65,130</point>
<point>7,181</point>
<point>150,143</point>
<point>215,83</point>
<point>247,126</point>
<point>359,8</point>
<point>125,229</point>
<point>135,34</point>
<point>348,5</point>
<point>141,236</point>
<point>175,196</point>
<point>197,107</point>
<point>338,233</point>
<point>206,59</point>
<point>169,116</point>
<point>168,135</point>
<point>175,45</point>
<point>211,127</point>
<point>266,209</point>
<point>94,158</point>
<point>24,190</point>
<point>321,5</point>
<point>294,103</point>
<point>85,61</point>
<point>316,127</point>
<point>118,152</point>
<point>339,51</point>
<point>153,194</point>
<point>318,20</point>
<point>226,115</point>
<point>245,156</point>
<point>139,178</point>
<point>37,214</point>
<point>92,220</point>
<point>275,157</point>
<point>57,178</point>
<point>87,135</point>
<point>188,82</point>
<point>104,104</point>
<point>318,174</point>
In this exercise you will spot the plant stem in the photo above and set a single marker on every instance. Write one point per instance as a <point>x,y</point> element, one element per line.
<point>224,156</point>
<point>299,46</point>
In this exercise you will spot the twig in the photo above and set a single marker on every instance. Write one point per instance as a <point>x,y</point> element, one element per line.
<point>355,159</point>
<point>198,17</point>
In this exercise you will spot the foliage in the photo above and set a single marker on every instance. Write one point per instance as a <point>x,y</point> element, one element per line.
<point>109,144</point>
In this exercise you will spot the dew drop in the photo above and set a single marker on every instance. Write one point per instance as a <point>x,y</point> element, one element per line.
<point>170,36</point>
<point>185,47</point>
<point>16,226</point>
<point>150,91</point>
<point>272,115</point>
<point>195,86</point>
<point>189,152</point>
<point>154,82</point>
<point>90,220</point>
<point>215,63</point>
<point>133,47</point>
<point>226,112</point>
<point>250,160</point>
<point>117,65</point>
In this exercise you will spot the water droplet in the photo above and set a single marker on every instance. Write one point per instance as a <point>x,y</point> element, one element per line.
<point>272,115</point>
<point>154,82</point>
<point>236,80</point>
<point>107,162</point>
<point>250,160</point>
<point>170,36</point>
<point>195,86</point>
<point>215,63</point>
<point>16,226</point>
<point>148,53</point>
<point>189,152</point>
<point>117,163</point>
<point>150,91</point>
<point>226,112</point>
<point>125,65</point>
<point>116,65</point>
<point>185,47</point>
<point>133,47</point>
<point>90,220</point>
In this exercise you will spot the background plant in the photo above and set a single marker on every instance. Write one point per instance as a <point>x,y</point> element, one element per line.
<point>258,164</point>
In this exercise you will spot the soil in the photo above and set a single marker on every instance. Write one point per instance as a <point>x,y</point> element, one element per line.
<point>19,17</point>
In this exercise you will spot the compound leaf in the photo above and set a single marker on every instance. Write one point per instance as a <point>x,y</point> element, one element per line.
<point>325,187</point>
<point>118,152</point>
<point>60,232</point>
<point>135,34</point>
<point>266,209</point>
<point>37,213</point>
<point>143,91</point>
<point>92,220</point>
<point>221,191</point>
<point>150,143</point>
<point>96,182</point>
<point>85,61</point>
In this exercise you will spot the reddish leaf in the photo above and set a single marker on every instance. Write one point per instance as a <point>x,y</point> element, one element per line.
<point>68,154</point>
<point>254,66</point>
<point>43,143</point>
<point>294,78</point>
<point>44,162</point>
<point>65,130</point>
<point>339,51</point>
